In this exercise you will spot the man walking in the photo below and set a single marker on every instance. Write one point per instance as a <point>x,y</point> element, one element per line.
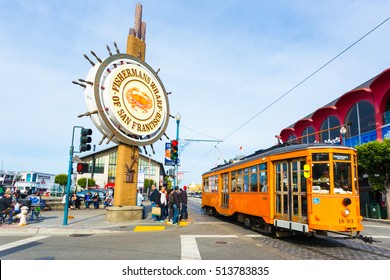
<point>176,205</point>
<point>183,199</point>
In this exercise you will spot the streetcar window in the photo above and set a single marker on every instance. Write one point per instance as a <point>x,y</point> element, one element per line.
<point>239,181</point>
<point>246,183</point>
<point>234,181</point>
<point>320,157</point>
<point>263,166</point>
<point>205,185</point>
<point>263,181</point>
<point>253,169</point>
<point>303,179</point>
<point>263,177</point>
<point>342,177</point>
<point>253,182</point>
<point>321,182</point>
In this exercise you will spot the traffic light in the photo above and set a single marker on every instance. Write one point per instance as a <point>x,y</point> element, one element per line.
<point>85,139</point>
<point>174,151</point>
<point>82,168</point>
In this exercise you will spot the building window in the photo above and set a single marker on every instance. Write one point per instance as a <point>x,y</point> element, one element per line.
<point>112,158</point>
<point>386,114</point>
<point>308,135</point>
<point>99,166</point>
<point>362,116</point>
<point>292,139</point>
<point>328,132</point>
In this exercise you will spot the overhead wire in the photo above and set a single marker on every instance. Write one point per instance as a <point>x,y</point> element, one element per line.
<point>293,88</point>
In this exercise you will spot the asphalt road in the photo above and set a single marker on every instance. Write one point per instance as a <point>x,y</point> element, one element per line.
<point>204,238</point>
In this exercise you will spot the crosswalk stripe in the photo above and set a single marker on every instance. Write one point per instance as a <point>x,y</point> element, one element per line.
<point>21,242</point>
<point>189,247</point>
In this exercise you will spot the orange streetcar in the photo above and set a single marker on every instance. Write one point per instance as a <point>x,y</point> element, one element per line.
<point>307,188</point>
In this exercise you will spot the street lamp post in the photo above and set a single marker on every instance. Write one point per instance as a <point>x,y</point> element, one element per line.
<point>343,131</point>
<point>178,118</point>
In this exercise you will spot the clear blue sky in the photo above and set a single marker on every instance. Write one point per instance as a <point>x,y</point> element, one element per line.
<point>224,61</point>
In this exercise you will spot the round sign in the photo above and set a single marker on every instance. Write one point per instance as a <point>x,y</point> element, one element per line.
<point>130,100</point>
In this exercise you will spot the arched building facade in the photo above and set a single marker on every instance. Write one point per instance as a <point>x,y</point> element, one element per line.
<point>363,111</point>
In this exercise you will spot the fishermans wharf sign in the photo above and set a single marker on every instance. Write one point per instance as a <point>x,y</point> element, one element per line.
<point>127,100</point>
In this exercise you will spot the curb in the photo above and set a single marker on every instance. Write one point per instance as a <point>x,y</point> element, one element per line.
<point>382,221</point>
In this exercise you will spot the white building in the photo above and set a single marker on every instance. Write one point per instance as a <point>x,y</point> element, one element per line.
<point>102,167</point>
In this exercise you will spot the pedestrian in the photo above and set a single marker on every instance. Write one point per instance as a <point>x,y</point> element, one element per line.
<point>176,206</point>
<point>75,201</point>
<point>170,205</point>
<point>5,203</point>
<point>140,199</point>
<point>162,202</point>
<point>153,197</point>
<point>107,200</point>
<point>96,200</point>
<point>183,200</point>
<point>87,199</point>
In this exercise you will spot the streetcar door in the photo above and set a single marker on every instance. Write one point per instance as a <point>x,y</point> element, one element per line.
<point>225,191</point>
<point>290,192</point>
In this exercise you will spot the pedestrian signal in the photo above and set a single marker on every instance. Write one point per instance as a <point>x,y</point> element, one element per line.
<point>82,168</point>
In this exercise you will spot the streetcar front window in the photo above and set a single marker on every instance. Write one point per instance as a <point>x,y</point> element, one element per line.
<point>342,177</point>
<point>321,182</point>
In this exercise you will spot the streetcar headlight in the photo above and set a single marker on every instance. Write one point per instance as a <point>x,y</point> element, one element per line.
<point>347,201</point>
<point>346,212</point>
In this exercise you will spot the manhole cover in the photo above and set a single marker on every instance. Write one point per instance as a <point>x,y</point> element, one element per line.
<point>48,258</point>
<point>80,235</point>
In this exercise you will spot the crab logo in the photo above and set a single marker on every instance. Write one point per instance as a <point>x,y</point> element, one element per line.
<point>139,100</point>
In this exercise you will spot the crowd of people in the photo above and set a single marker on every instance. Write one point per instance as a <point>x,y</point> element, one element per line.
<point>172,204</point>
<point>12,200</point>
<point>89,199</point>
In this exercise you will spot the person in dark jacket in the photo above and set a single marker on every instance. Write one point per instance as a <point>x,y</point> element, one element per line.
<point>176,205</point>
<point>183,200</point>
<point>154,198</point>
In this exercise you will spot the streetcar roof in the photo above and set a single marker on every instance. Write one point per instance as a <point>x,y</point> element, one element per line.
<point>275,150</point>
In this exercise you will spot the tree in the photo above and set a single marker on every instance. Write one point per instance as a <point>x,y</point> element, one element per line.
<point>61,179</point>
<point>83,182</point>
<point>147,184</point>
<point>374,157</point>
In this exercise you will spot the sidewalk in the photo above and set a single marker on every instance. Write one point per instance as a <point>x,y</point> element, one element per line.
<point>83,221</point>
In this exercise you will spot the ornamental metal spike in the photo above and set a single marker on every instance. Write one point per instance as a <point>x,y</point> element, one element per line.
<point>166,135</point>
<point>116,47</point>
<point>151,145</point>
<point>110,138</point>
<point>90,61</point>
<point>109,50</point>
<point>87,82</point>
<point>98,58</point>
<point>88,114</point>
<point>79,84</point>
<point>158,70</point>
<point>101,141</point>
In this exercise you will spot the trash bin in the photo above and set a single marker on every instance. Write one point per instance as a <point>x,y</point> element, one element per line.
<point>375,211</point>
